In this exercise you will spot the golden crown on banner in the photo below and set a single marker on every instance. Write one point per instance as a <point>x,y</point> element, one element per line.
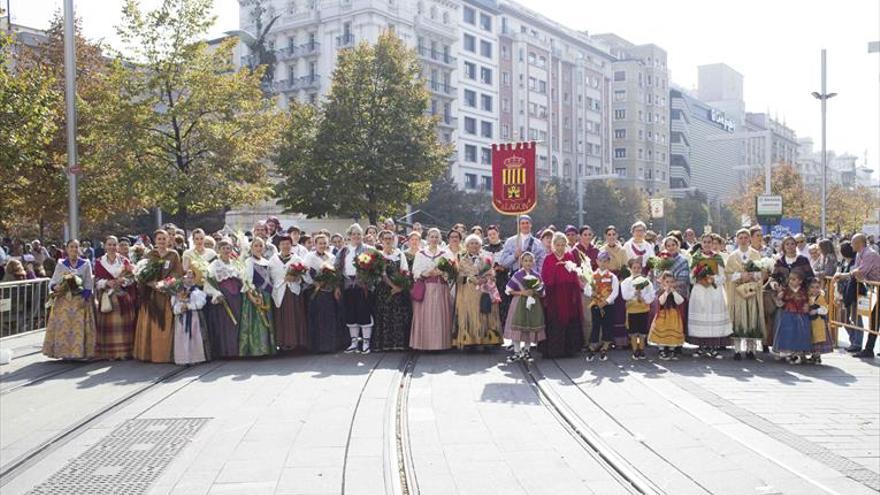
<point>515,162</point>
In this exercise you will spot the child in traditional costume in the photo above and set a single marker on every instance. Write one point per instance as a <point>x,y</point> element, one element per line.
<point>638,292</point>
<point>709,325</point>
<point>525,319</point>
<point>821,335</point>
<point>744,269</point>
<point>189,322</point>
<point>667,330</point>
<point>793,334</point>
<point>603,290</point>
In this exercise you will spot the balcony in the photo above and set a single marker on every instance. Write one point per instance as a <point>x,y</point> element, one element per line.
<point>308,82</point>
<point>345,41</point>
<point>285,85</point>
<point>436,26</point>
<point>447,122</point>
<point>441,88</point>
<point>437,56</point>
<point>308,49</point>
<point>286,53</point>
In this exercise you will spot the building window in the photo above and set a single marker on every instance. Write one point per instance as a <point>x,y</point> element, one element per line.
<point>505,78</point>
<point>505,104</point>
<point>485,49</point>
<point>470,181</point>
<point>470,125</point>
<point>620,95</point>
<point>470,70</point>
<point>485,22</point>
<point>619,152</point>
<point>533,134</point>
<point>620,172</point>
<point>620,75</point>
<point>505,131</point>
<point>485,75</point>
<point>470,98</point>
<point>470,153</point>
<point>487,183</point>
<point>470,43</point>
<point>620,114</point>
<point>641,154</point>
<point>486,102</point>
<point>542,87</point>
<point>486,156</point>
<point>470,15</point>
<point>486,129</point>
<point>619,133</point>
<point>505,52</point>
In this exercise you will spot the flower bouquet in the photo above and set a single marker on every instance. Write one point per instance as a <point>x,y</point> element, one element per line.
<point>70,285</point>
<point>704,267</point>
<point>448,268</point>
<point>662,262</point>
<point>295,271</point>
<point>148,270</point>
<point>402,279</point>
<point>532,283</point>
<point>640,282</point>
<point>327,278</point>
<point>761,265</point>
<point>584,271</point>
<point>369,267</point>
<point>170,285</point>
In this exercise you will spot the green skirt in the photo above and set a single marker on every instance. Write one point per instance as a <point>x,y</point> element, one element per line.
<point>256,337</point>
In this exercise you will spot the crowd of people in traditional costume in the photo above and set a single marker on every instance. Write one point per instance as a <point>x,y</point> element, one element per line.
<point>561,293</point>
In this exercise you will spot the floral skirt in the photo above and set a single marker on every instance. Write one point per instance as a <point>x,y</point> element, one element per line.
<point>70,330</point>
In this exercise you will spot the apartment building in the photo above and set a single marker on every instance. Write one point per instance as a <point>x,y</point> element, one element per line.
<point>640,112</point>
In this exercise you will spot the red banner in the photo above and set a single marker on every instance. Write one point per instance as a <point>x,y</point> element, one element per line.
<point>514,189</point>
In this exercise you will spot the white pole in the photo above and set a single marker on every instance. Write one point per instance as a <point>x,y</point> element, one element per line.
<point>824,151</point>
<point>70,96</point>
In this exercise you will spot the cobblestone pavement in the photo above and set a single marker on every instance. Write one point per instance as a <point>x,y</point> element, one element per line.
<point>323,424</point>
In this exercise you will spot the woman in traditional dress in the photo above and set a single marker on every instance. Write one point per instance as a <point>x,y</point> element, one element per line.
<point>477,317</point>
<point>224,312</point>
<point>638,247</point>
<point>256,336</point>
<point>432,316</point>
<point>115,319</point>
<point>70,329</point>
<point>562,304</point>
<point>618,268</point>
<point>786,262</point>
<point>495,246</point>
<point>154,333</point>
<point>393,309</point>
<point>745,297</point>
<point>325,322</point>
<point>709,325</point>
<point>198,255</point>
<point>291,331</point>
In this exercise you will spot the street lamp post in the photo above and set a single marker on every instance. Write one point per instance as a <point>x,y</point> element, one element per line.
<point>70,96</point>
<point>823,97</point>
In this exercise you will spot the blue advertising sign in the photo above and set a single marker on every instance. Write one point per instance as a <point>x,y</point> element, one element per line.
<point>786,226</point>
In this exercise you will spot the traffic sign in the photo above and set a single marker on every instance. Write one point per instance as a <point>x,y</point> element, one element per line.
<point>656,207</point>
<point>768,209</point>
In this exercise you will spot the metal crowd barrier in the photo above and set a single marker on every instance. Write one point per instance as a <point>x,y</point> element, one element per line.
<point>863,316</point>
<point>23,306</point>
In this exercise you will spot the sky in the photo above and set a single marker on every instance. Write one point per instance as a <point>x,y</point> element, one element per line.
<point>775,44</point>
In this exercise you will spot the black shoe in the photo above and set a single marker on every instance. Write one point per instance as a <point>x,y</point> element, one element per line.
<point>866,354</point>
<point>853,348</point>
<point>590,356</point>
<point>750,355</point>
<point>737,356</point>
<point>603,356</point>
<point>765,349</point>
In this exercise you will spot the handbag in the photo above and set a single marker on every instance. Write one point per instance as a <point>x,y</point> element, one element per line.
<point>106,302</point>
<point>747,290</point>
<point>485,303</point>
<point>417,292</point>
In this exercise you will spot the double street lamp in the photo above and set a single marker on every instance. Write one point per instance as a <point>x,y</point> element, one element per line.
<point>823,97</point>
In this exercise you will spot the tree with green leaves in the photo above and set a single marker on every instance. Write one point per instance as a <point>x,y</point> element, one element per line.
<point>28,121</point>
<point>192,134</point>
<point>375,150</point>
<point>691,211</point>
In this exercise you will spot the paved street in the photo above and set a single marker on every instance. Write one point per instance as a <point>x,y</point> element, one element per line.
<point>447,423</point>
